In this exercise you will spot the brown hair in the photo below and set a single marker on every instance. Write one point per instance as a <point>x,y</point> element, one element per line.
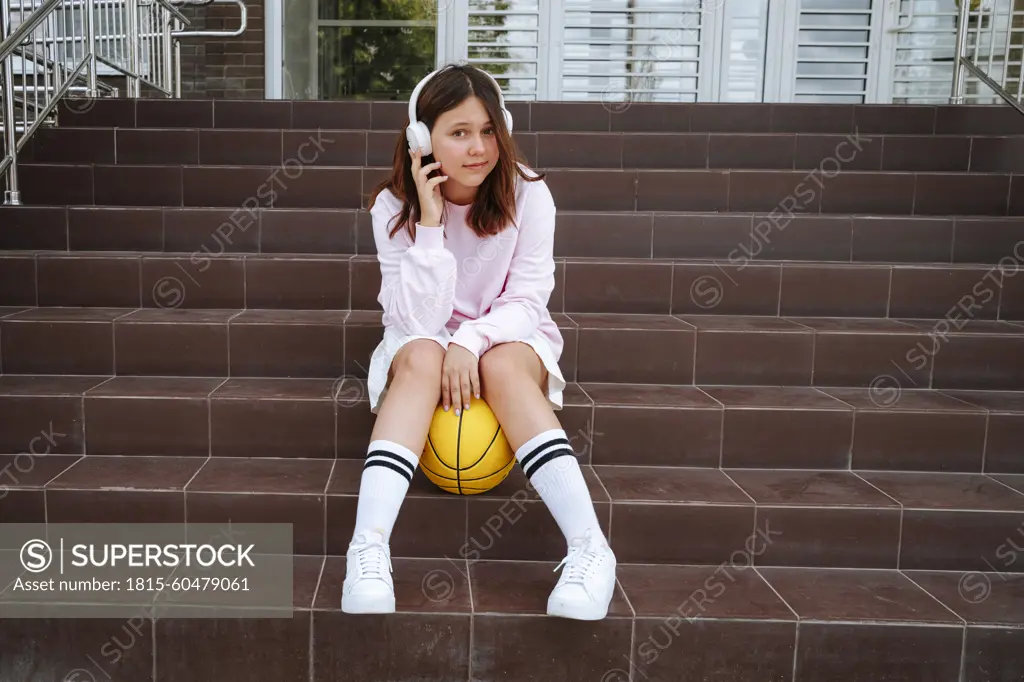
<point>493,208</point>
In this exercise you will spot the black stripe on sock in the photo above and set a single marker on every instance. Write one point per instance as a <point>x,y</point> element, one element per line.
<point>554,454</point>
<point>407,468</point>
<point>388,465</point>
<point>541,448</point>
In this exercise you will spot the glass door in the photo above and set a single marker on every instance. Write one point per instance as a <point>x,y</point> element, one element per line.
<point>359,49</point>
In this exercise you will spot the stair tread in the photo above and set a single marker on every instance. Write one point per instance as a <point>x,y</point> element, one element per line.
<point>724,262</point>
<point>596,321</point>
<point>380,169</point>
<point>617,484</point>
<point>506,587</point>
<point>227,211</point>
<point>878,596</point>
<point>731,591</point>
<point>388,131</point>
<point>703,396</point>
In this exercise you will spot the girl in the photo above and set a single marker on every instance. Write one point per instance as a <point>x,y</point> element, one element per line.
<point>464,233</point>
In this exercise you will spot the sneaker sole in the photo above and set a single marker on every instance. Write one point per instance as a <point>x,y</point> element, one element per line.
<point>578,611</point>
<point>354,603</point>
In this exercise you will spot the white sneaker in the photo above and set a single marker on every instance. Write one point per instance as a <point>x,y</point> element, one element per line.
<point>368,585</point>
<point>587,583</point>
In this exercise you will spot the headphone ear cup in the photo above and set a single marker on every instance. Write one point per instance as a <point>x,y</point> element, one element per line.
<point>419,137</point>
<point>508,119</point>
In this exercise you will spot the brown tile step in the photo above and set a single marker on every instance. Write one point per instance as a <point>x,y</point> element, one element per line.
<point>766,287</point>
<point>651,515</point>
<point>829,153</point>
<point>797,351</point>
<point>731,239</point>
<point>454,617</point>
<point>772,287</point>
<point>785,191</point>
<point>882,427</point>
<point>558,116</point>
<point>201,279</point>
<point>731,350</point>
<point>878,428</point>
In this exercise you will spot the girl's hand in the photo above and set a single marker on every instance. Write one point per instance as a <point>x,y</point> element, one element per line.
<point>431,202</point>
<point>460,378</point>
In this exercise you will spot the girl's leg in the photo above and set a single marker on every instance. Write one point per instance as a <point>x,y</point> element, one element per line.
<point>513,381</point>
<point>395,445</point>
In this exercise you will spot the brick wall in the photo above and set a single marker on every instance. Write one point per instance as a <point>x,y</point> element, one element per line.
<point>223,68</point>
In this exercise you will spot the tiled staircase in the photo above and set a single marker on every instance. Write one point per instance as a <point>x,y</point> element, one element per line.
<point>796,340</point>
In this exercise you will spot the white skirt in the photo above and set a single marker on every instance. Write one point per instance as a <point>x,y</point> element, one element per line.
<point>380,363</point>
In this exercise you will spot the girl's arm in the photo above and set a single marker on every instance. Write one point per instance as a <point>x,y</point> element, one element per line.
<point>418,278</point>
<point>518,311</point>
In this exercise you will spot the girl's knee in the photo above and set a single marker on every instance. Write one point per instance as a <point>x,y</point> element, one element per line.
<point>420,358</point>
<point>509,363</point>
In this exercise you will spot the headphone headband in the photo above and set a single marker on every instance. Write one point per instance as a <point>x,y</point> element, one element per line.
<point>417,132</point>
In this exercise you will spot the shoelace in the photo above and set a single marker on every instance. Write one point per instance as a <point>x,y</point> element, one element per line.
<point>580,562</point>
<point>372,555</point>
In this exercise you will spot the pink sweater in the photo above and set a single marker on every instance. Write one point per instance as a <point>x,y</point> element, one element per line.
<point>483,291</point>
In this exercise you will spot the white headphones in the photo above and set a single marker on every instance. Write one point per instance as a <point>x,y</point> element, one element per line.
<point>418,134</point>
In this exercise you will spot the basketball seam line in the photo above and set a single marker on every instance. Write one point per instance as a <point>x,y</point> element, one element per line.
<point>458,479</point>
<point>450,478</point>
<point>458,454</point>
<point>484,454</point>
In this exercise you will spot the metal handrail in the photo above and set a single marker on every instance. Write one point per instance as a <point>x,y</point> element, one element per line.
<point>963,63</point>
<point>137,39</point>
<point>1000,90</point>
<point>16,36</point>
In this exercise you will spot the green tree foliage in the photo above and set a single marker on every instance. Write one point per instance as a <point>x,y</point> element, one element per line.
<point>385,62</point>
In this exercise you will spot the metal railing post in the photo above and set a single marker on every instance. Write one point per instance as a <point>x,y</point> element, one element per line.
<point>44,40</point>
<point>12,195</point>
<point>963,19</point>
<point>177,65</point>
<point>90,42</point>
<point>132,8</point>
<point>167,43</point>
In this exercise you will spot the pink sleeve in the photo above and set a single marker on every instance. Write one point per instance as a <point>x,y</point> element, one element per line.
<point>518,311</point>
<point>418,279</point>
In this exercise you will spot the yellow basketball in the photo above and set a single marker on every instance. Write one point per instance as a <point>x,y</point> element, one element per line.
<point>467,454</point>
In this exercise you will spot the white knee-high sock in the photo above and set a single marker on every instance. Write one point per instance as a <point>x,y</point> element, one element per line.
<point>386,476</point>
<point>553,470</point>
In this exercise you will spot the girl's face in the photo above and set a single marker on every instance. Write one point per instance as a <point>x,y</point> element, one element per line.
<point>465,142</point>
